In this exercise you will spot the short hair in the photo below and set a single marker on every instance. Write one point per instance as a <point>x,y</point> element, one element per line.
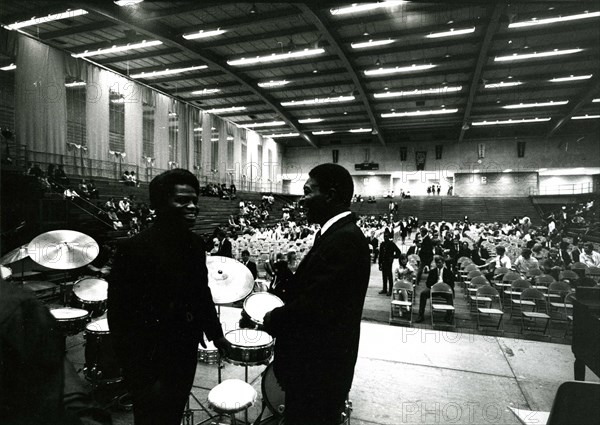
<point>589,245</point>
<point>526,253</point>
<point>161,186</point>
<point>438,257</point>
<point>500,250</point>
<point>334,176</point>
<point>245,252</point>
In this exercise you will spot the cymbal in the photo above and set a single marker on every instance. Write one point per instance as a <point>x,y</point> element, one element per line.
<point>14,255</point>
<point>63,249</point>
<point>228,279</point>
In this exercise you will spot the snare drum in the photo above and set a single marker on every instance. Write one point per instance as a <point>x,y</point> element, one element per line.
<point>70,321</point>
<point>100,359</point>
<point>260,303</point>
<point>249,347</point>
<point>90,293</point>
<point>209,355</point>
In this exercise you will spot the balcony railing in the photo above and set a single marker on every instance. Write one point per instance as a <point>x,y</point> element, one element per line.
<point>563,189</point>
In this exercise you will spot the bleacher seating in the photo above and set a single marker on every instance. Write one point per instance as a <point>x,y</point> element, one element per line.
<point>450,208</point>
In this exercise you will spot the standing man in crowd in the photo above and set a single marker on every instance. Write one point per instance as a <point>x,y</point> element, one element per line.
<point>387,252</point>
<point>425,253</point>
<point>225,248</point>
<point>246,261</point>
<point>317,335</point>
<point>160,304</point>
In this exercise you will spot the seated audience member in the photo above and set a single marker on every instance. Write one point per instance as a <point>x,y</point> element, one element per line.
<point>552,264</point>
<point>112,216</point>
<point>576,251</point>
<point>110,204</point>
<point>83,189</point>
<point>70,194</point>
<point>125,207</point>
<point>249,263</point>
<point>126,178</point>
<point>60,176</point>
<point>589,257</point>
<point>564,254</point>
<point>438,274</point>
<point>403,270</point>
<point>526,262</point>
<point>92,189</point>
<point>133,178</point>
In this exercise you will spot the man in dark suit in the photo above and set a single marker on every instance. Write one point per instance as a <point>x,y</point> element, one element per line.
<point>249,263</point>
<point>225,248</point>
<point>318,329</point>
<point>438,274</point>
<point>425,253</point>
<point>160,304</point>
<point>387,252</point>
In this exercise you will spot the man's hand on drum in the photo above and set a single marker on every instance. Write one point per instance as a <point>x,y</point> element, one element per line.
<point>266,322</point>
<point>246,322</point>
<point>223,345</point>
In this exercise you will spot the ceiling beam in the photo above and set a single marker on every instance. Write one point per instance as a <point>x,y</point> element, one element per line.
<point>584,98</point>
<point>492,28</point>
<point>127,57</point>
<point>94,26</point>
<point>319,21</point>
<point>136,20</point>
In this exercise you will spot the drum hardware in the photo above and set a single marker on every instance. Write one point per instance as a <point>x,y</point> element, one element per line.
<point>69,321</point>
<point>101,367</point>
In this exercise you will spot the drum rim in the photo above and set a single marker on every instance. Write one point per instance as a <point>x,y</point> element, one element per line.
<point>70,319</point>
<point>89,301</point>
<point>251,347</point>
<point>263,295</point>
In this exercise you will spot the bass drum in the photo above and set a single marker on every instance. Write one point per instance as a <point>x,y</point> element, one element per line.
<point>272,393</point>
<point>274,396</point>
<point>100,360</point>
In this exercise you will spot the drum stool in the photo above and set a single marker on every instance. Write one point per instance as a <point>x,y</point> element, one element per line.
<point>230,397</point>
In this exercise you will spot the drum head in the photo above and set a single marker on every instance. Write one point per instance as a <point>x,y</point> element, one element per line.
<point>260,303</point>
<point>249,338</point>
<point>91,289</point>
<point>68,313</point>
<point>98,326</point>
<point>272,393</point>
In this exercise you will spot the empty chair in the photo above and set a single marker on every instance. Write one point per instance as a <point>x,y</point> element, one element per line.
<point>594,273</point>
<point>517,286</point>
<point>568,275</point>
<point>580,268</point>
<point>403,298</point>
<point>474,284</point>
<point>568,304</point>
<point>441,299</point>
<point>487,295</point>
<point>533,272</point>
<point>467,280</point>
<point>534,308</point>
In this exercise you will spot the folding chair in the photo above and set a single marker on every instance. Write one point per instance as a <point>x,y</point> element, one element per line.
<point>533,298</point>
<point>438,300</point>
<point>467,281</point>
<point>569,275</point>
<point>569,298</point>
<point>488,294</point>
<point>542,282</point>
<point>403,298</point>
<point>580,268</point>
<point>531,273</point>
<point>474,284</point>
<point>516,287</point>
<point>594,273</point>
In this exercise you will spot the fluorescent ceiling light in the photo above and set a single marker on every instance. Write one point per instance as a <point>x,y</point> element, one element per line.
<point>417,92</point>
<point>398,69</point>
<point>536,104</point>
<point>127,2</point>
<point>272,83</point>
<point>9,67</point>
<point>364,7</point>
<point>203,34</point>
<point>214,139</point>
<point>476,170</point>
<point>276,57</point>
<point>206,91</point>
<point>555,52</point>
<point>502,84</point>
<point>75,84</point>
<point>264,124</point>
<point>371,43</point>
<point>120,100</point>
<point>310,120</point>
<point>319,101</point>
<point>510,121</point>
<point>197,128</point>
<point>167,72</point>
<point>323,132</point>
<point>508,170</point>
<point>451,32</point>
<point>585,117</point>
<point>419,113</point>
<point>596,100</point>
<point>117,49</point>
<point>229,109</point>
<point>535,21</point>
<point>274,136</point>
<point>361,130</point>
<point>172,114</point>
<point>44,19</point>
<point>571,78</point>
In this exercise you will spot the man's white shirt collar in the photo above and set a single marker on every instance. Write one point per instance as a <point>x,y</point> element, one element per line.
<point>332,220</point>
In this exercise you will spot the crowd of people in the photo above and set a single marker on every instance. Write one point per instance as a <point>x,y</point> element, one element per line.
<point>127,214</point>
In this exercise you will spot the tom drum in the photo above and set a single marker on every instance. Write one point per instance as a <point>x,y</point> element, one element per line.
<point>90,293</point>
<point>70,321</point>
<point>258,304</point>
<point>249,347</point>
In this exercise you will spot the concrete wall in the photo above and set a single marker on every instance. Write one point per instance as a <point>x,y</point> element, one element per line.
<point>495,184</point>
<point>566,184</point>
<point>500,154</point>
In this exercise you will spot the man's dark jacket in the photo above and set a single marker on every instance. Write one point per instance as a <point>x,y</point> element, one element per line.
<point>318,329</point>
